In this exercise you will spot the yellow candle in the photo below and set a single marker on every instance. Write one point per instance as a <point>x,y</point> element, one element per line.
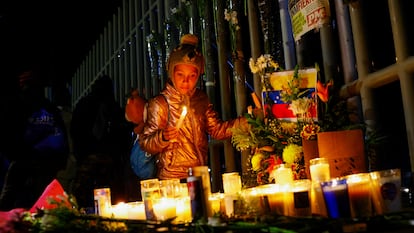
<point>182,117</point>
<point>359,189</point>
<point>183,210</point>
<point>164,208</point>
<point>215,200</point>
<point>120,210</point>
<point>136,210</point>
<point>278,198</point>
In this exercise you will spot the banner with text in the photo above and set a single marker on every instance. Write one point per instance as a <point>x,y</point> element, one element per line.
<point>307,15</point>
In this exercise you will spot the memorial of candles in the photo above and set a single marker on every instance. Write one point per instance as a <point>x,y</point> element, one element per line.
<point>360,195</point>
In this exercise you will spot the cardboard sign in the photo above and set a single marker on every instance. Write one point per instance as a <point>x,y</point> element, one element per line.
<point>344,151</point>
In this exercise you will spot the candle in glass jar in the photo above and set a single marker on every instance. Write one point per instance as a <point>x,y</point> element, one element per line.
<point>278,198</point>
<point>102,198</point>
<point>359,189</point>
<point>183,209</point>
<point>301,205</point>
<point>120,210</point>
<point>336,197</point>
<point>164,208</point>
<point>319,169</point>
<point>231,183</point>
<point>136,210</point>
<point>283,175</point>
<point>215,200</point>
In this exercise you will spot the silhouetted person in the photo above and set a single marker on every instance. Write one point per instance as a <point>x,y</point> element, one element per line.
<point>100,142</point>
<point>34,141</point>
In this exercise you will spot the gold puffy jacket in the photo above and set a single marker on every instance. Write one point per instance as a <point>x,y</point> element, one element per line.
<point>191,148</point>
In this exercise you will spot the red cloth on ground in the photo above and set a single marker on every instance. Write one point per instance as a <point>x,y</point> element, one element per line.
<point>53,191</point>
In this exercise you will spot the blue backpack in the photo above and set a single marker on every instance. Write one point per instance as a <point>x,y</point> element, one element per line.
<point>142,163</point>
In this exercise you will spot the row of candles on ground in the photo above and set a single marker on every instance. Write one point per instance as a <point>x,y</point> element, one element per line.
<point>358,195</point>
<point>166,199</point>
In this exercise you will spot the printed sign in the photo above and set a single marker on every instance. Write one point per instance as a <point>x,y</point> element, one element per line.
<point>307,15</point>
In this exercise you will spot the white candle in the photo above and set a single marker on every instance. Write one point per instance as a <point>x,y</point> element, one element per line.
<point>120,210</point>
<point>181,120</point>
<point>319,169</point>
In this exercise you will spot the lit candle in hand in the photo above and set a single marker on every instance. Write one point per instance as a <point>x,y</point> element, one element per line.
<point>182,117</point>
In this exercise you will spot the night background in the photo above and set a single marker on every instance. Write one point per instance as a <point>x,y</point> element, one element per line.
<point>50,37</point>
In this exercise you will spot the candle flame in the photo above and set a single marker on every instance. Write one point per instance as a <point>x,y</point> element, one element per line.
<point>184,112</point>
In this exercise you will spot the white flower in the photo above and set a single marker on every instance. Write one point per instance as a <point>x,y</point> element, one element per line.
<point>231,17</point>
<point>150,37</point>
<point>187,3</point>
<point>174,10</point>
<point>263,64</point>
<point>300,106</point>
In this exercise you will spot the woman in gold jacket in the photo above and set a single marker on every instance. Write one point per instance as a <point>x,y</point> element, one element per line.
<point>181,147</point>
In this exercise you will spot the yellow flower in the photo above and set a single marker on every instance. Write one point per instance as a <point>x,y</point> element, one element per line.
<point>256,161</point>
<point>292,153</point>
<point>289,127</point>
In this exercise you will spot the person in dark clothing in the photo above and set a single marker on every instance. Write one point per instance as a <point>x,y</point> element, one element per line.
<point>100,143</point>
<point>34,141</point>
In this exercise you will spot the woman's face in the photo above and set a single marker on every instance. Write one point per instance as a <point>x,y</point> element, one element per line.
<point>185,78</point>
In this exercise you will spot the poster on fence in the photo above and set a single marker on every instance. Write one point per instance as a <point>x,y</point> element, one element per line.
<point>307,15</point>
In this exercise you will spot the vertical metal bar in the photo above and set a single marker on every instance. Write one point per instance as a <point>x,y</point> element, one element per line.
<point>362,61</point>
<point>406,79</point>
<point>287,35</point>
<point>224,74</point>
<point>254,41</point>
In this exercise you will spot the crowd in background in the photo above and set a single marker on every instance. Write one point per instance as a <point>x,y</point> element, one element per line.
<point>84,147</point>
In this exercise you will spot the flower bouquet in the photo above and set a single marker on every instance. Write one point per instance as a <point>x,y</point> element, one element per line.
<point>297,106</point>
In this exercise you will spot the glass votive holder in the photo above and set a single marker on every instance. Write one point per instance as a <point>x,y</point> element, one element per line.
<point>150,190</point>
<point>256,200</point>
<point>203,172</point>
<point>335,192</point>
<point>182,190</point>
<point>136,210</point>
<point>231,202</point>
<point>319,169</point>
<point>164,208</point>
<point>359,191</point>
<point>103,204</point>
<point>231,182</point>
<point>216,201</point>
<point>278,198</point>
<point>183,209</point>
<point>318,206</point>
<point>169,187</point>
<point>283,174</point>
<point>120,210</point>
<point>301,194</point>
<point>386,190</point>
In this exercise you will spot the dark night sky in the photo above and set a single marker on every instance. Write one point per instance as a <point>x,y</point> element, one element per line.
<point>49,36</point>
